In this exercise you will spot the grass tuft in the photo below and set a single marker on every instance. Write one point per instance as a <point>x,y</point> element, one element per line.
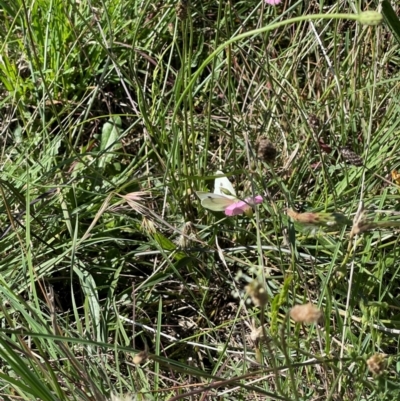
<point>117,282</point>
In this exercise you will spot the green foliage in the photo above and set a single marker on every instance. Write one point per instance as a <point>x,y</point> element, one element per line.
<point>114,278</point>
<point>391,19</point>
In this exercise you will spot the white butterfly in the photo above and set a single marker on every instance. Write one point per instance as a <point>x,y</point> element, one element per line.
<point>223,196</point>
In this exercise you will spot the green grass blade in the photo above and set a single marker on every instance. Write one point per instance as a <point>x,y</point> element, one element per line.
<point>391,19</point>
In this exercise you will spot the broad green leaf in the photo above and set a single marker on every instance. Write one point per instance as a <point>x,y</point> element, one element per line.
<point>391,19</point>
<point>110,140</point>
<point>167,245</point>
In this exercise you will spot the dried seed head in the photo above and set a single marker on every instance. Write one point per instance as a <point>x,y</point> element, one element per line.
<point>314,123</point>
<point>376,364</point>
<point>257,293</point>
<point>370,18</point>
<point>362,226</point>
<point>308,218</point>
<point>257,334</point>
<point>148,226</point>
<point>136,199</point>
<point>307,313</point>
<point>188,228</point>
<point>188,235</point>
<point>319,219</point>
<point>358,221</point>
<point>181,9</point>
<point>140,357</point>
<point>253,166</point>
<point>350,157</point>
<point>266,150</point>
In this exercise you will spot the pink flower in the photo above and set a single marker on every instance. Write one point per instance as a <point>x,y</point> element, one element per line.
<point>273,2</point>
<point>241,207</point>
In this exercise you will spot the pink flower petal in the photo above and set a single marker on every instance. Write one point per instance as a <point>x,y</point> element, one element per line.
<point>241,207</point>
<point>255,201</point>
<point>236,208</point>
<point>273,2</point>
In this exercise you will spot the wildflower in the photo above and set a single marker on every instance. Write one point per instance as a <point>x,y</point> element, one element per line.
<point>273,2</point>
<point>245,206</point>
<point>376,364</point>
<point>307,313</point>
<point>224,199</point>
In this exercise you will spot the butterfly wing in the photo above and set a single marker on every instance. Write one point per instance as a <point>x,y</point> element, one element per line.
<point>213,201</point>
<point>222,183</point>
